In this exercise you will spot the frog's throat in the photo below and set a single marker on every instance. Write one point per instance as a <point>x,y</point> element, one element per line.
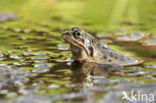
<point>79,45</point>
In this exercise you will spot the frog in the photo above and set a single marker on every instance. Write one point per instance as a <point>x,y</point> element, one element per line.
<point>86,47</point>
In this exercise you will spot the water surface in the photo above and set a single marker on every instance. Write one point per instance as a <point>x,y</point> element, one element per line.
<point>41,66</point>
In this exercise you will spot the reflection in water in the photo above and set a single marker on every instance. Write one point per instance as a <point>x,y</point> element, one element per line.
<point>83,73</point>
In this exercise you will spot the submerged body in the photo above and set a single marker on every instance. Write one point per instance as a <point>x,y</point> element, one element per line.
<point>85,47</point>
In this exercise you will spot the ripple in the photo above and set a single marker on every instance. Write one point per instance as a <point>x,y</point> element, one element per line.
<point>151,66</point>
<point>66,60</point>
<point>154,73</point>
<point>132,37</point>
<point>26,31</point>
<point>1,59</point>
<point>15,57</point>
<point>149,43</point>
<point>41,71</point>
<point>9,52</point>
<point>34,99</point>
<point>8,16</point>
<point>137,68</point>
<point>62,47</point>
<point>121,34</point>
<point>123,29</point>
<point>54,86</point>
<point>126,38</point>
<point>102,36</point>
<point>23,38</point>
<point>33,58</point>
<point>138,35</point>
<point>31,75</point>
<point>43,66</point>
<point>104,81</point>
<point>3,64</point>
<point>154,36</point>
<point>148,76</point>
<point>132,62</point>
<point>138,73</point>
<point>11,77</point>
<point>40,54</point>
<point>1,55</point>
<point>17,30</point>
<point>70,85</point>
<point>39,61</point>
<point>99,77</point>
<point>34,54</point>
<point>108,81</point>
<point>20,64</point>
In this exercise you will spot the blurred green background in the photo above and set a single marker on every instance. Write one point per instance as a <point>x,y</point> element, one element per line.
<point>102,15</point>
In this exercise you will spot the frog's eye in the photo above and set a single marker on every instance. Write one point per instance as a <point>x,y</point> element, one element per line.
<point>78,34</point>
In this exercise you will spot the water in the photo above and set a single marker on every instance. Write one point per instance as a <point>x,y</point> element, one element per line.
<point>36,63</point>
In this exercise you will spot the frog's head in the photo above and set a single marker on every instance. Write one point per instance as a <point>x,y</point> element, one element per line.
<point>86,47</point>
<point>81,43</point>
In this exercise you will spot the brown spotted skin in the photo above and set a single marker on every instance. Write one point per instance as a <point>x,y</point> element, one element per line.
<point>85,47</point>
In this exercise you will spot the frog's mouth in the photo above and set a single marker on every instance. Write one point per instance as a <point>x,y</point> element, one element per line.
<point>72,41</point>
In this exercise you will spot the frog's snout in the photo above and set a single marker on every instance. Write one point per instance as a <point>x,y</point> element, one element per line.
<point>66,33</point>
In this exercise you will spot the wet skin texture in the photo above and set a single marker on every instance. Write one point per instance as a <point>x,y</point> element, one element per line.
<point>85,47</point>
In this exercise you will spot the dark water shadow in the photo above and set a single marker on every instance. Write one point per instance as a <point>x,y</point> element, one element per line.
<point>84,72</point>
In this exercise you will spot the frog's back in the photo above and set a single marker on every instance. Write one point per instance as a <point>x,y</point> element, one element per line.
<point>105,55</point>
<point>112,57</point>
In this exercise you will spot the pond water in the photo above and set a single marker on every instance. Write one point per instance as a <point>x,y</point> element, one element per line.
<point>36,64</point>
